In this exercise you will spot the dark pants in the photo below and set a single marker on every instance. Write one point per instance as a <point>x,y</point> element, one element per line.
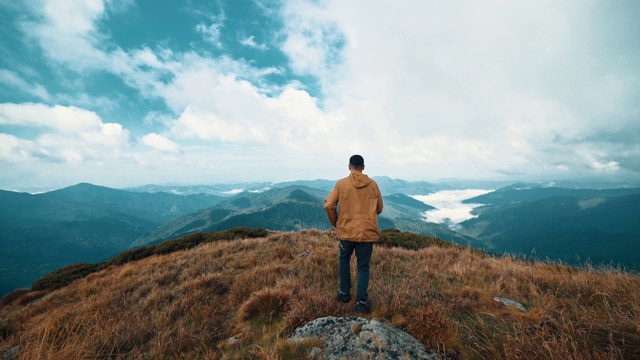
<point>363,252</point>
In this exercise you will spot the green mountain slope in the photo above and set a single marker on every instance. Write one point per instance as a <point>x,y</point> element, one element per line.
<point>31,251</point>
<point>294,208</point>
<point>40,233</point>
<point>522,193</point>
<point>571,229</point>
<point>158,207</point>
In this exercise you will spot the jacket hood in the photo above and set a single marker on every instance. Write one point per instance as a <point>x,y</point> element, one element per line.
<point>359,180</point>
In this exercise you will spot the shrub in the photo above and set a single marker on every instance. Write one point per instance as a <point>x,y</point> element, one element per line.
<point>12,296</point>
<point>65,276</point>
<point>186,242</point>
<point>407,240</point>
<point>129,256</point>
<point>237,233</point>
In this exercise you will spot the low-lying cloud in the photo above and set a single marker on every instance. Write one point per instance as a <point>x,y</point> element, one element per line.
<point>449,207</point>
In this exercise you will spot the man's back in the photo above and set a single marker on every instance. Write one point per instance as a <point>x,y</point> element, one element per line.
<point>360,202</point>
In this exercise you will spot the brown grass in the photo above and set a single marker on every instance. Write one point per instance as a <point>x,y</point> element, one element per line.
<point>241,299</point>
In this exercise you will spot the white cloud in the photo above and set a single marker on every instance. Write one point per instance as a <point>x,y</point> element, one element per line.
<point>449,206</point>
<point>60,118</point>
<point>312,38</point>
<point>15,80</point>
<point>14,149</point>
<point>68,24</point>
<point>508,87</point>
<point>160,142</point>
<point>251,42</point>
<point>211,32</point>
<point>426,89</point>
<point>67,134</point>
<point>195,123</point>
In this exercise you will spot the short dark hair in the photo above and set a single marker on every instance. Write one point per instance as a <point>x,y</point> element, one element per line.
<point>356,161</point>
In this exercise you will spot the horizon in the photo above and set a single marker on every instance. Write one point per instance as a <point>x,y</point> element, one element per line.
<point>238,91</point>
<point>235,187</point>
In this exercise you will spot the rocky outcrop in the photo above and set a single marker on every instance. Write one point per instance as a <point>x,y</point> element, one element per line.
<point>358,338</point>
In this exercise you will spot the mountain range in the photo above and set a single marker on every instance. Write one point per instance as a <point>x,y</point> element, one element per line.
<point>572,226</point>
<point>89,223</point>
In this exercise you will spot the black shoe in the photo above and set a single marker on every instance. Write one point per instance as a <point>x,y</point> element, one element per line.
<point>362,307</point>
<point>343,297</point>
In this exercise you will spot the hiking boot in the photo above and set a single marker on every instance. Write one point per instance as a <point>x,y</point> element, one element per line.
<point>343,297</point>
<point>362,307</point>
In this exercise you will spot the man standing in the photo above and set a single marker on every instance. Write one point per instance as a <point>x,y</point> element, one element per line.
<point>353,207</point>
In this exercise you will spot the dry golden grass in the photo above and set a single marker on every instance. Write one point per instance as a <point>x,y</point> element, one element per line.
<point>242,298</point>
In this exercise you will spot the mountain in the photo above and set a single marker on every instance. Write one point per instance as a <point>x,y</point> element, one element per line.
<point>85,222</point>
<point>521,192</point>
<point>158,207</point>
<point>393,186</point>
<point>43,232</point>
<point>403,207</point>
<point>228,297</point>
<point>224,190</point>
<point>572,229</point>
<point>294,208</point>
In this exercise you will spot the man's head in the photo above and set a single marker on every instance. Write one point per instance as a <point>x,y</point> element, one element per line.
<point>356,162</point>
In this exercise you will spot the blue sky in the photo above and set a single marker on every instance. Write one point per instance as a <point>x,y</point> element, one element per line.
<point>129,92</point>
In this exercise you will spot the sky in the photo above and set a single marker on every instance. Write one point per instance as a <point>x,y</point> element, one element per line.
<point>124,93</point>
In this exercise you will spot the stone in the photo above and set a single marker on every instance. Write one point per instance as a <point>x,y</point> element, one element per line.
<point>510,302</point>
<point>359,338</point>
<point>305,253</point>
<point>11,354</point>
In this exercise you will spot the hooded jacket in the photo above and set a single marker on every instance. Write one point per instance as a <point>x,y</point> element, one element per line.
<point>353,207</point>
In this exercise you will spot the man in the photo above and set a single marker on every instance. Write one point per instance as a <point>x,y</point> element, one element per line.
<point>353,207</point>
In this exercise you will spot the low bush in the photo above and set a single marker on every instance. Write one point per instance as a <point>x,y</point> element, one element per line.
<point>64,276</point>
<point>411,241</point>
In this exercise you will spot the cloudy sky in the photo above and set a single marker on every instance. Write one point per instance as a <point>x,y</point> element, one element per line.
<point>129,92</point>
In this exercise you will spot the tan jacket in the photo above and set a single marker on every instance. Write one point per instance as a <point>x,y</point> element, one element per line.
<point>360,203</point>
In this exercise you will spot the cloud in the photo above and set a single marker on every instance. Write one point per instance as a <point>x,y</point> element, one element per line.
<point>68,25</point>
<point>424,89</point>
<point>17,82</point>
<point>67,134</point>
<point>14,149</point>
<point>60,118</point>
<point>498,87</point>
<point>211,32</point>
<point>160,142</point>
<point>448,205</point>
<point>313,40</point>
<point>251,42</point>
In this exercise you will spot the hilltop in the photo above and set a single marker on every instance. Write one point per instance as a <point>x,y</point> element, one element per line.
<point>235,295</point>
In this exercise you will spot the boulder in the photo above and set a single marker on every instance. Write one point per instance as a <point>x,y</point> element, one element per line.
<point>359,338</point>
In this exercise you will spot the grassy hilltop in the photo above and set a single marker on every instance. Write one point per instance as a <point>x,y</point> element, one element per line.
<point>236,295</point>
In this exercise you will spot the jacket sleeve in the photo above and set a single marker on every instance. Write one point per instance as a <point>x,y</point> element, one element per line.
<point>331,206</point>
<point>380,201</point>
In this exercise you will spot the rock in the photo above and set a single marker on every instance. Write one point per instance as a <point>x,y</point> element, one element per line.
<point>510,302</point>
<point>305,253</point>
<point>11,354</point>
<point>358,338</point>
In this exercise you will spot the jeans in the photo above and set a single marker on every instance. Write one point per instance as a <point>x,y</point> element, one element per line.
<point>363,252</point>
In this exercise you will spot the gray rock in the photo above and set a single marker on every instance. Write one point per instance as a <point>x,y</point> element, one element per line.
<point>358,338</point>
<point>305,253</point>
<point>11,353</point>
<point>510,302</point>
